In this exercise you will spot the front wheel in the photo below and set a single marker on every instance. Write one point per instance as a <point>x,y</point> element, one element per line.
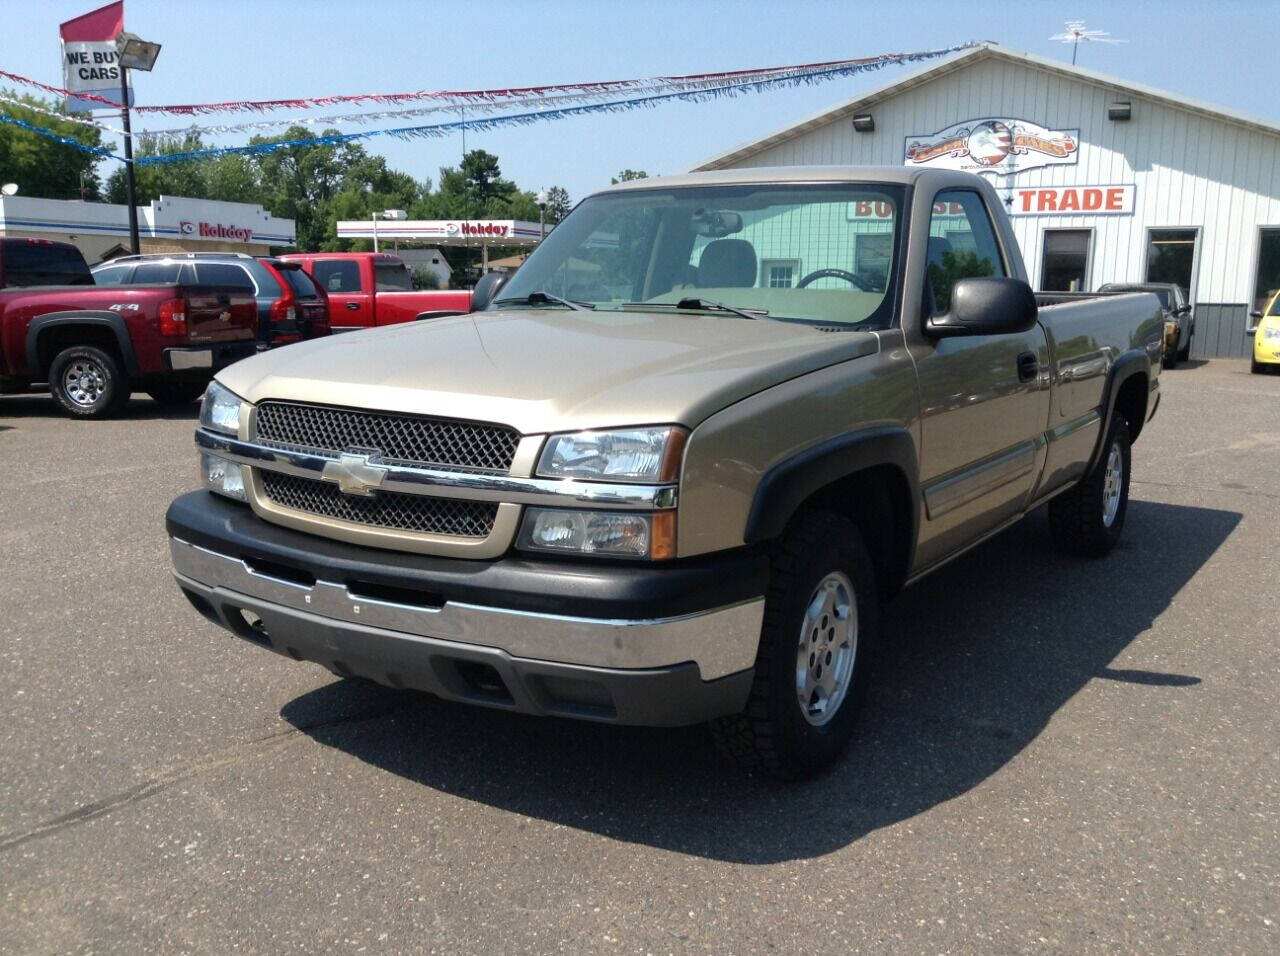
<point>1087,520</point>
<point>821,621</point>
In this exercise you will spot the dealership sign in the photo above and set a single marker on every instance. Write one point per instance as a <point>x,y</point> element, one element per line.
<point>474,228</point>
<point>89,56</point>
<point>1001,146</point>
<point>215,230</point>
<point>1073,201</point>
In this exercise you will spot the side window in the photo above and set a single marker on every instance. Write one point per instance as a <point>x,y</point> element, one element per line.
<point>337,275</point>
<point>224,274</point>
<point>166,272</point>
<point>962,244</point>
<point>112,276</point>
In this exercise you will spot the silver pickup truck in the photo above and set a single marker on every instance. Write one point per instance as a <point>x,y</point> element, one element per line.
<point>670,471</point>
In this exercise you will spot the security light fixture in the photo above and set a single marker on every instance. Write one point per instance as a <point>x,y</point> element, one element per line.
<point>1120,112</point>
<point>863,123</point>
<point>135,53</point>
<point>9,189</point>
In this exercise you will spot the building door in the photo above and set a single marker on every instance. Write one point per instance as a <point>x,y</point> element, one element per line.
<point>1171,257</point>
<point>1268,281</point>
<point>1064,265</point>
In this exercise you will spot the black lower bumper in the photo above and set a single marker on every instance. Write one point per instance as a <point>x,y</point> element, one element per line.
<point>539,637</point>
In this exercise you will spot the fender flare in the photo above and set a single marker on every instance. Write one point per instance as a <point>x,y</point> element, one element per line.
<point>104,319</point>
<point>1134,362</point>
<point>789,483</point>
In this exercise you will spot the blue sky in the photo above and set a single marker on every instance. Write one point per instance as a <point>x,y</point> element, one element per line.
<point>1215,52</point>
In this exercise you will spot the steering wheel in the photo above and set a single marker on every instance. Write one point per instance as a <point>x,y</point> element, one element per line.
<point>848,277</point>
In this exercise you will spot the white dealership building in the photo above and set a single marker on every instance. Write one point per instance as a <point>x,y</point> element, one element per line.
<point>1106,180</point>
<point>167,224</point>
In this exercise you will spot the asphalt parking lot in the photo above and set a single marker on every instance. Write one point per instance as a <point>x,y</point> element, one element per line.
<point>1058,755</point>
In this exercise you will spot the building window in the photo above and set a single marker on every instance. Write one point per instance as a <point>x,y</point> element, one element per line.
<point>1065,263</point>
<point>778,273</point>
<point>1268,280</point>
<point>1171,257</point>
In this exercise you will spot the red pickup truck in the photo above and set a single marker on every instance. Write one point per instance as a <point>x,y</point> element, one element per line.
<point>368,289</point>
<point>96,344</point>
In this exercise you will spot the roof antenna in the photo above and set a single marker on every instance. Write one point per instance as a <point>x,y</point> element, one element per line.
<point>1075,32</point>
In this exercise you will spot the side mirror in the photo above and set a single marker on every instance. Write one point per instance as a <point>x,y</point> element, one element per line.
<point>1183,310</point>
<point>1255,314</point>
<point>486,290</point>
<point>986,306</point>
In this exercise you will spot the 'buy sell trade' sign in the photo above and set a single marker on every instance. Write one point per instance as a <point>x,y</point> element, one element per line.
<point>1072,201</point>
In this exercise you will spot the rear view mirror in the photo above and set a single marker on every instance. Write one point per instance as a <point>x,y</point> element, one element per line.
<point>715,224</point>
<point>986,306</point>
<point>486,290</point>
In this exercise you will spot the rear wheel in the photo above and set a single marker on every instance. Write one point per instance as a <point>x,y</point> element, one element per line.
<point>1184,353</point>
<point>178,392</point>
<point>88,382</point>
<point>1257,368</point>
<point>821,621</point>
<point>1170,359</point>
<point>1087,520</point>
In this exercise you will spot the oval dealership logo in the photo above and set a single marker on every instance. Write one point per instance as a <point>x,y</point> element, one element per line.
<point>186,227</point>
<point>989,143</point>
<point>452,228</point>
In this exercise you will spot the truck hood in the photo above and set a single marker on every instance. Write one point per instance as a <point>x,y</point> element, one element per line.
<point>549,370</point>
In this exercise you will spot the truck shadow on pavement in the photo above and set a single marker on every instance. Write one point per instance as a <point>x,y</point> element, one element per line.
<point>140,407</point>
<point>977,659</point>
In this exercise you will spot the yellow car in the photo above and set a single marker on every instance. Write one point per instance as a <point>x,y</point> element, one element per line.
<point>1266,340</point>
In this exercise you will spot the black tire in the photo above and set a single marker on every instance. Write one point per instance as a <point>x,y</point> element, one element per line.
<point>773,733</point>
<point>1078,518</point>
<point>176,392</point>
<point>1170,360</point>
<point>1184,353</point>
<point>88,382</point>
<point>1257,368</point>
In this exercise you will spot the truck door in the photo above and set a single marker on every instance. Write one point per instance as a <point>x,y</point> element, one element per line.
<point>984,399</point>
<point>350,306</point>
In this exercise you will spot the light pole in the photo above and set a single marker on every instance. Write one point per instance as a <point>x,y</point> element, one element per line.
<point>541,200</point>
<point>396,214</point>
<point>134,53</point>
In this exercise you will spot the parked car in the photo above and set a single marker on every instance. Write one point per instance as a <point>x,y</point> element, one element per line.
<point>27,262</point>
<point>93,345</point>
<point>646,485</point>
<point>368,289</point>
<point>1266,337</point>
<point>290,306</point>
<point>1179,317</point>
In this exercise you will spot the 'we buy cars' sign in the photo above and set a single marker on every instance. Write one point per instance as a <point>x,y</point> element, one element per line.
<point>89,57</point>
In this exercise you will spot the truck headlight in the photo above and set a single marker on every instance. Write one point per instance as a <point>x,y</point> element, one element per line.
<point>220,410</point>
<point>608,534</point>
<point>624,454</point>
<point>1271,332</point>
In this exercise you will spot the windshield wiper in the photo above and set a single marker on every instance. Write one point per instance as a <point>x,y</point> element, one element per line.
<point>704,304</point>
<point>536,298</point>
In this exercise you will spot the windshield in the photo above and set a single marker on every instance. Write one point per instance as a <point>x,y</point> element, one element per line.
<point>811,253</point>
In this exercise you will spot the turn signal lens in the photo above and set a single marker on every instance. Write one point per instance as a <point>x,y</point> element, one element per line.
<point>222,477</point>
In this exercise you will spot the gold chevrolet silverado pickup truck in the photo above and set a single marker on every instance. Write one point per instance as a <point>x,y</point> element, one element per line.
<point>668,473</point>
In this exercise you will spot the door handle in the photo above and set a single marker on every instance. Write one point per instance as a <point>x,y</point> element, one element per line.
<point>1028,366</point>
<point>353,306</point>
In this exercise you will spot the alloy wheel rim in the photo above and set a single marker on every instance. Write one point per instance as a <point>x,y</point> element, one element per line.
<point>827,649</point>
<point>84,382</point>
<point>1112,484</point>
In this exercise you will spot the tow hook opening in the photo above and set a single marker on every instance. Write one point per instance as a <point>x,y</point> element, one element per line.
<point>249,625</point>
<point>484,681</point>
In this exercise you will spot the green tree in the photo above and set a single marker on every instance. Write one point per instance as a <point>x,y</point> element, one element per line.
<point>627,175</point>
<point>558,203</point>
<point>179,178</point>
<point>40,166</point>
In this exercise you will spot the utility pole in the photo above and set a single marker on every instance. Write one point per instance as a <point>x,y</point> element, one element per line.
<point>130,186</point>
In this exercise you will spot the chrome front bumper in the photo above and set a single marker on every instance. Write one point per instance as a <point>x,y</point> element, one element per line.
<point>665,671</point>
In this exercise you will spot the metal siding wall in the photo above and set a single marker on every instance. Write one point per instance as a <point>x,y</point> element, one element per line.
<point>1190,171</point>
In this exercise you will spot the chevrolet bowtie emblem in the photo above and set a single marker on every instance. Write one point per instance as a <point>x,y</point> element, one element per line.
<point>354,474</point>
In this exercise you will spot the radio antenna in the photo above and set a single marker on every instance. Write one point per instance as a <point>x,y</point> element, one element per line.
<point>1075,32</point>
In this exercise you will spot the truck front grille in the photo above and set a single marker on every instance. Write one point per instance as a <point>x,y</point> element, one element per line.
<point>398,439</point>
<point>386,509</point>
